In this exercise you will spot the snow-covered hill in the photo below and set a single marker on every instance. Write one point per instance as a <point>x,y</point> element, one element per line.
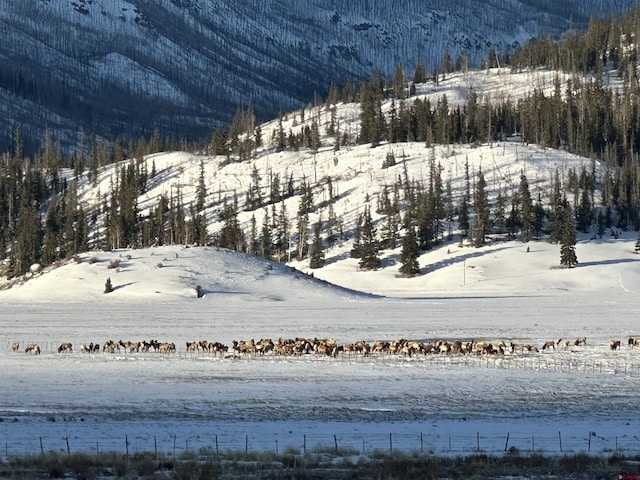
<point>357,180</point>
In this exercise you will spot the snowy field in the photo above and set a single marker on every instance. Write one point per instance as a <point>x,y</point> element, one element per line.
<point>581,399</point>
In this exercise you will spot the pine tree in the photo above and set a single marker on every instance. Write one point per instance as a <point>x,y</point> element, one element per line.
<point>265,242</point>
<point>463,216</point>
<point>356,249</point>
<point>27,248</point>
<point>410,251</point>
<point>372,125</point>
<point>527,212</point>
<point>568,258</point>
<point>231,235</point>
<point>481,205</point>
<point>369,259</point>
<point>253,246</point>
<point>316,253</point>
<point>201,189</point>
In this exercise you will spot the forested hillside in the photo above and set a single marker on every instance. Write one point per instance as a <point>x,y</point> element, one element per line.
<point>538,149</point>
<point>126,67</point>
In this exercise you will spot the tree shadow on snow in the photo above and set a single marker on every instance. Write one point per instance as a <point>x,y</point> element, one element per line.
<point>447,262</point>
<point>118,287</point>
<point>615,261</point>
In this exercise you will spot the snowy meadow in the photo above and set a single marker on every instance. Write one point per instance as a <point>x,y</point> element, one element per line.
<point>578,399</point>
<point>571,398</point>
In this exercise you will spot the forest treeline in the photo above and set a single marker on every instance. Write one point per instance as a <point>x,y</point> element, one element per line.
<point>41,220</point>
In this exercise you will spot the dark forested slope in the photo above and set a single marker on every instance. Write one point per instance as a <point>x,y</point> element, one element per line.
<point>183,66</point>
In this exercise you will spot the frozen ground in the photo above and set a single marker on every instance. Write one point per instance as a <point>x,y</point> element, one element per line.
<point>581,399</point>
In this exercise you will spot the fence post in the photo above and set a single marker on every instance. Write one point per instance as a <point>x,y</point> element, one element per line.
<point>421,444</point>
<point>506,444</point>
<point>478,441</point>
<point>246,444</point>
<point>335,441</point>
<point>217,451</point>
<point>68,449</point>
<point>41,449</point>
<point>560,440</point>
<point>155,447</point>
<point>304,443</point>
<point>390,443</point>
<point>589,447</point>
<point>126,445</point>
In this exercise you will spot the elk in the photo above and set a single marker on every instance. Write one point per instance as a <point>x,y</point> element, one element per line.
<point>32,347</point>
<point>550,344</point>
<point>65,348</point>
<point>15,346</point>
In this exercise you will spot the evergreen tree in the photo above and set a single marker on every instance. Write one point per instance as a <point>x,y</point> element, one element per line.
<point>463,215</point>
<point>369,259</point>
<point>420,74</point>
<point>568,258</point>
<point>584,214</point>
<point>316,253</point>
<point>527,211</point>
<point>410,251</point>
<point>253,245</point>
<point>481,205</point>
<point>356,249</point>
<point>372,125</point>
<point>499,213</point>
<point>265,242</point>
<point>27,247</point>
<point>231,235</point>
<point>201,189</point>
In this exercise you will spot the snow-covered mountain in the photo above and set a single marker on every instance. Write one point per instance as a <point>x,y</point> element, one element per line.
<point>127,66</point>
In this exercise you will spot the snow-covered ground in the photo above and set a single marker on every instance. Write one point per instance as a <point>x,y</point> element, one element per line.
<point>584,398</point>
<point>580,399</point>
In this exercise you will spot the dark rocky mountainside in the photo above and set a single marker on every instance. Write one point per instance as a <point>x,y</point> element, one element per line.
<point>127,67</point>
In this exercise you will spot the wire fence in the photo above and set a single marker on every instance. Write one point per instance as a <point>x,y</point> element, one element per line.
<point>553,443</point>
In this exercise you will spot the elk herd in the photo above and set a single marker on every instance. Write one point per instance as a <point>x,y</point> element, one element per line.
<point>325,347</point>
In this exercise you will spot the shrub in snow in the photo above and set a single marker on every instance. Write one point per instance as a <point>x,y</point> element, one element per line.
<point>160,265</point>
<point>115,263</point>
<point>199,291</point>
<point>93,260</point>
<point>108,288</point>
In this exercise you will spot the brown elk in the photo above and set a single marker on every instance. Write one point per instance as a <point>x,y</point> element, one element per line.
<point>614,344</point>
<point>65,348</point>
<point>32,347</point>
<point>15,346</point>
<point>549,345</point>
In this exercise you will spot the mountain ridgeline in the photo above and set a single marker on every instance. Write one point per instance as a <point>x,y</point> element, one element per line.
<point>121,67</point>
